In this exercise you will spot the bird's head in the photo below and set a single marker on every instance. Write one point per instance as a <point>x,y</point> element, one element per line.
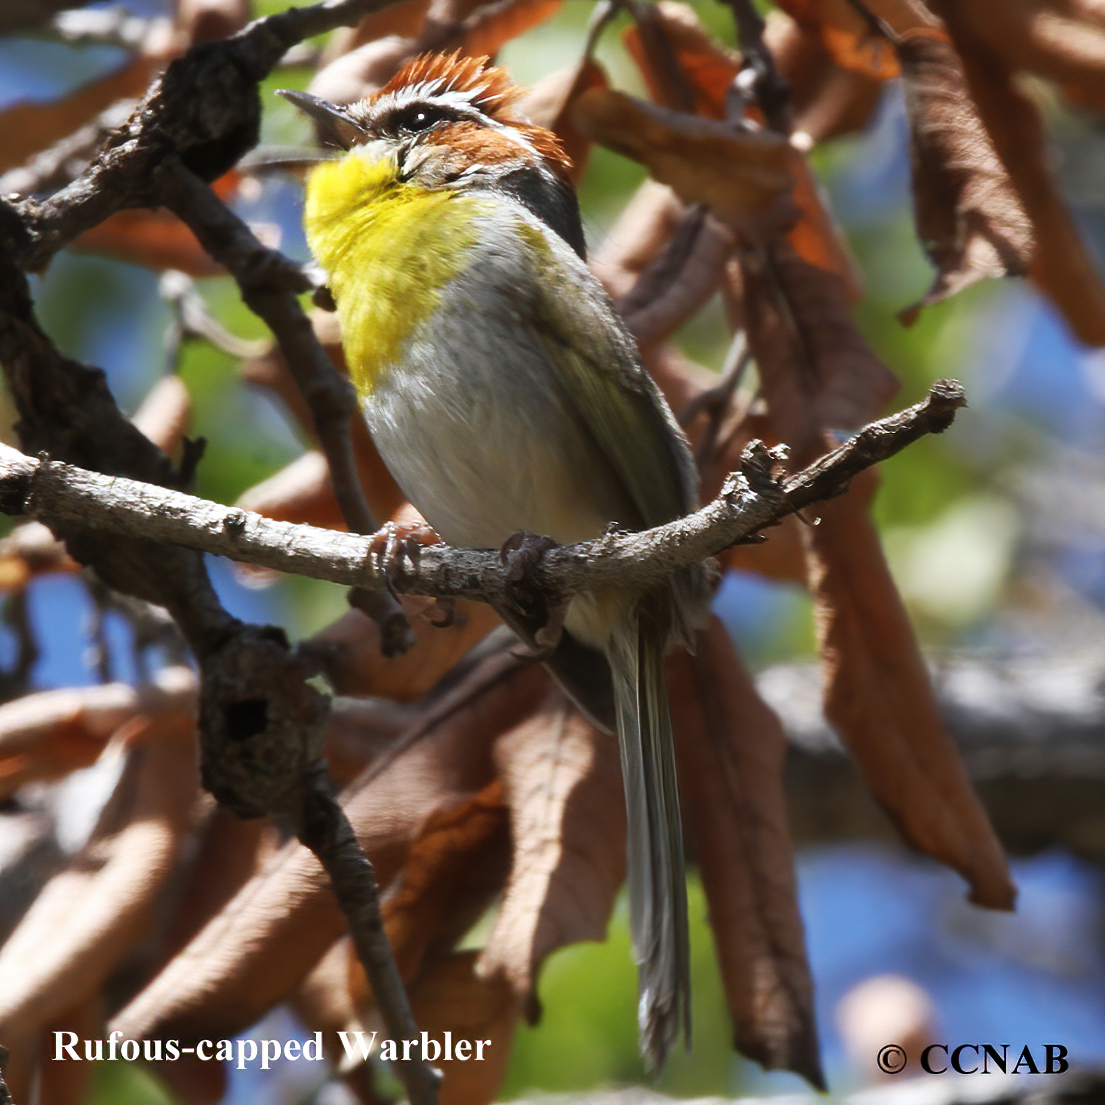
<point>447,122</point>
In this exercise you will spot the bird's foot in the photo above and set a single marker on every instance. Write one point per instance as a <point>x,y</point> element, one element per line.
<point>521,552</point>
<point>397,544</point>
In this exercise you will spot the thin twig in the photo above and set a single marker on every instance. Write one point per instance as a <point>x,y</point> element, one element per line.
<point>601,16</point>
<point>750,501</point>
<point>99,651</point>
<point>769,87</point>
<point>191,318</point>
<point>324,828</point>
<point>716,399</point>
<point>679,279</point>
<point>717,402</point>
<point>677,90</point>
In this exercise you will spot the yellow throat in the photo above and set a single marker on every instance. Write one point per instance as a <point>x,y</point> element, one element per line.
<point>388,248</point>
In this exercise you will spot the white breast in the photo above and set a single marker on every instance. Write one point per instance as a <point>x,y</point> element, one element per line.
<point>475,422</point>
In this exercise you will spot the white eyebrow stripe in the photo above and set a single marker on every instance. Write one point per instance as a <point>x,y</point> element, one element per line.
<point>433,92</point>
<point>459,101</point>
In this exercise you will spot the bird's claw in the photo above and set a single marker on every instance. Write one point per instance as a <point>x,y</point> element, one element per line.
<point>397,544</point>
<point>520,553</point>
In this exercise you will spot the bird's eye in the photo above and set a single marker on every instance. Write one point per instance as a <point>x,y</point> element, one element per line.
<point>418,118</point>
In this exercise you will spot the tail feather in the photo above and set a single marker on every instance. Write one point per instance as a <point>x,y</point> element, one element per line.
<point>654,854</point>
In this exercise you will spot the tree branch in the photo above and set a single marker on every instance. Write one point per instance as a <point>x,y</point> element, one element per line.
<point>203,109</point>
<point>195,122</point>
<point>260,718</point>
<point>751,500</point>
<point>325,829</point>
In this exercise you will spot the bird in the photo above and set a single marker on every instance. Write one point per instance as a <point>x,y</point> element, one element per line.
<point>506,396</point>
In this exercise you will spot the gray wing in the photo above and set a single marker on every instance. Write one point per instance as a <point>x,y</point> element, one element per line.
<point>615,397</point>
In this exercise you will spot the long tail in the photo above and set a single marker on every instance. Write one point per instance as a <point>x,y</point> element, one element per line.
<point>654,854</point>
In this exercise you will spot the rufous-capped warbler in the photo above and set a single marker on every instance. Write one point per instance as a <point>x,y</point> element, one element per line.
<point>504,394</point>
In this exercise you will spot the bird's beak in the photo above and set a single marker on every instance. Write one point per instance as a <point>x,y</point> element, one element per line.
<point>333,121</point>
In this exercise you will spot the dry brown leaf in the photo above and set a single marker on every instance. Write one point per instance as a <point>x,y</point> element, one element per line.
<point>549,103</point>
<point>361,729</point>
<point>854,42</point>
<point>969,217</point>
<point>1060,39</point>
<point>300,492</point>
<point>826,100</point>
<point>258,950</point>
<point>405,18</point>
<point>64,748</point>
<point>348,650</point>
<point>365,69</point>
<point>661,262</point>
<point>850,39</point>
<point>672,290</point>
<point>646,223</point>
<point>816,370</point>
<point>742,175</point>
<point>782,556</point>
<point>63,1083</point>
<point>451,12</point>
<point>229,852</point>
<point>49,734</point>
<point>154,239</point>
<point>400,20</point>
<point>92,914</point>
<point>29,550</point>
<point>455,868</point>
<point>686,69</point>
<point>27,128</point>
<point>816,237</point>
<point>493,23</point>
<point>706,66</point>
<point>648,44</point>
<point>451,996</point>
<point>479,29</point>
<point>563,784</point>
<point>324,1001</point>
<point>448,996</point>
<point>1063,270</point>
<point>730,748</point>
<point>683,67</point>
<point>879,698</point>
